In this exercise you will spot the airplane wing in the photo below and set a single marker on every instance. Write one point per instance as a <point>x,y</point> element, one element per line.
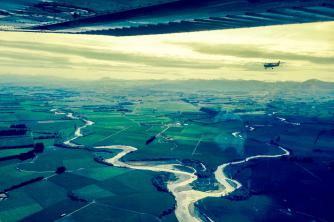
<point>142,17</point>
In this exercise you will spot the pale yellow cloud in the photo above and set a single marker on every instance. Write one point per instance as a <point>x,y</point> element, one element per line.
<point>306,49</point>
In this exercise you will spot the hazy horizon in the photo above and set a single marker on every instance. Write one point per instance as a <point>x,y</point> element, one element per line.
<point>51,77</point>
<point>307,51</point>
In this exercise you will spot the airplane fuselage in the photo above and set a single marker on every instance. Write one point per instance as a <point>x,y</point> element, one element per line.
<point>271,65</point>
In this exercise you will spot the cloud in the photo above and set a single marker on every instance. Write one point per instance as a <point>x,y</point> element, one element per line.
<point>90,53</point>
<point>22,59</point>
<point>250,51</point>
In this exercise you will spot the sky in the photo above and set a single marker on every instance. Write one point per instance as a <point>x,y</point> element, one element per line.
<point>306,50</point>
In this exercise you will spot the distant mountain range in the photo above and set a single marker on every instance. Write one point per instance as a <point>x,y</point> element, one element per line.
<point>221,85</point>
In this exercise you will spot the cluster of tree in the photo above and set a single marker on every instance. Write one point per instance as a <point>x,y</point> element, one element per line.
<point>75,197</point>
<point>167,212</point>
<point>61,145</point>
<point>18,126</point>
<point>13,132</point>
<point>8,157</point>
<point>208,110</point>
<point>27,155</point>
<point>44,137</point>
<point>38,148</point>
<point>150,140</point>
<point>160,181</point>
<point>23,184</point>
<point>60,170</point>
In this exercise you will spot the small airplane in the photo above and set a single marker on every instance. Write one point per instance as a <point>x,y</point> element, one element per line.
<point>271,65</point>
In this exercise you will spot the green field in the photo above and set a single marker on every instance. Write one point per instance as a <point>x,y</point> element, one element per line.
<point>234,124</point>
